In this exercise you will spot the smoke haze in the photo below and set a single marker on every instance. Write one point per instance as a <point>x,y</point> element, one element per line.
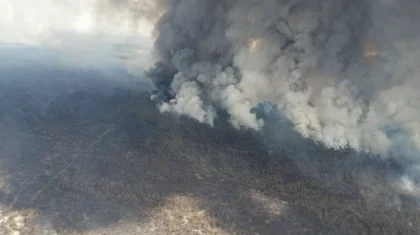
<point>81,33</point>
<point>344,73</point>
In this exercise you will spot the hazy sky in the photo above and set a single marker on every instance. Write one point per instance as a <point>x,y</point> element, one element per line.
<point>74,30</point>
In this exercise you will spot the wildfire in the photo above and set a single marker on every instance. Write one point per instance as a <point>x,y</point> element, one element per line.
<point>253,44</point>
<point>370,50</point>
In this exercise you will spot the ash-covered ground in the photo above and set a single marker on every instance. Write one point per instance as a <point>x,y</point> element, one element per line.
<point>81,154</point>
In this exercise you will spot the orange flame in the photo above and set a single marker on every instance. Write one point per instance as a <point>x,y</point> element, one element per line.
<point>253,44</point>
<point>370,50</point>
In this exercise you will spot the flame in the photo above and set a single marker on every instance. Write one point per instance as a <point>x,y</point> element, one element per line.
<point>253,44</point>
<point>370,50</point>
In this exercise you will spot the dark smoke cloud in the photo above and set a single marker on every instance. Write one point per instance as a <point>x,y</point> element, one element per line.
<point>343,73</point>
<point>333,68</point>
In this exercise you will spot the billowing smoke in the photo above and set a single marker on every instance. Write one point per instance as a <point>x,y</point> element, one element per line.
<point>344,73</point>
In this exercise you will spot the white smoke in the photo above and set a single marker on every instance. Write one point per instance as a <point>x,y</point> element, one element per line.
<point>345,73</point>
<point>39,21</point>
<point>84,32</point>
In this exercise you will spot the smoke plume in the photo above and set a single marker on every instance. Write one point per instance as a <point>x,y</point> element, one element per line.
<point>343,73</point>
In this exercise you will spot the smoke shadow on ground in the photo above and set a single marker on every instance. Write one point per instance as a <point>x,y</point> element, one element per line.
<point>94,162</point>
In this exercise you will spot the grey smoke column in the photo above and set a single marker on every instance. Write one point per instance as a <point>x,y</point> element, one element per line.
<point>344,72</point>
